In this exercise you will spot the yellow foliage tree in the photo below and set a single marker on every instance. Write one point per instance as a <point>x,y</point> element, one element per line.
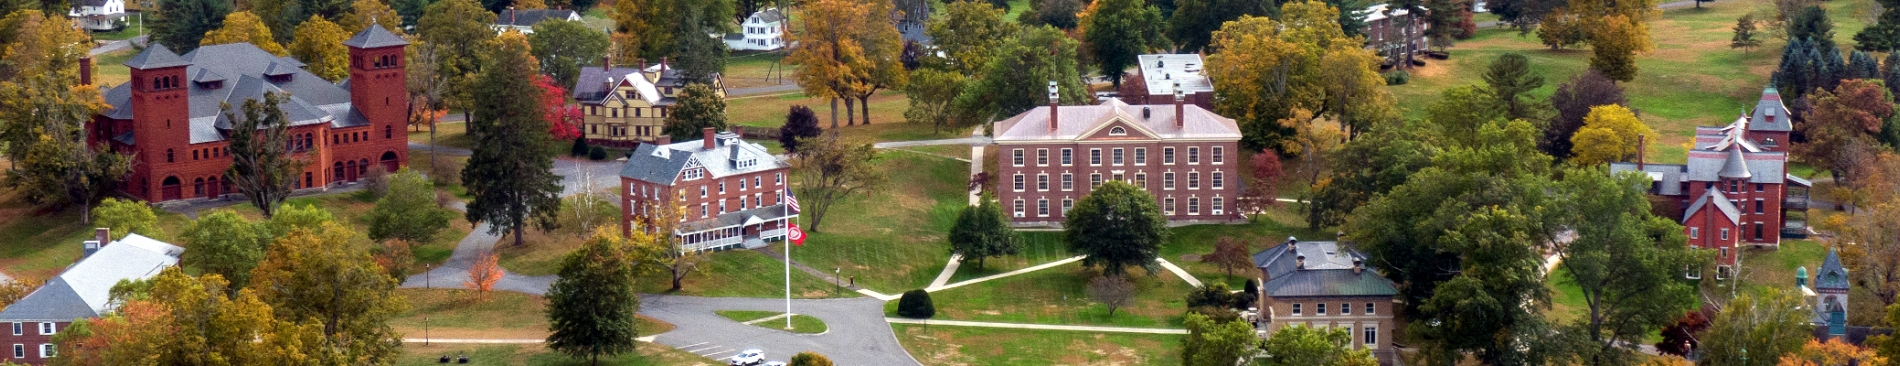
<point>244,27</point>
<point>1609,134</point>
<point>1834,352</point>
<point>366,12</point>
<point>1268,67</point>
<point>319,44</point>
<point>530,4</point>
<point>831,62</point>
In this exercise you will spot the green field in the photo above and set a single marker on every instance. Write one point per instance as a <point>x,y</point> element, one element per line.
<point>945,345</point>
<point>1059,295</point>
<point>745,273</point>
<point>1692,77</point>
<point>134,26</point>
<point>804,324</point>
<point>893,239</point>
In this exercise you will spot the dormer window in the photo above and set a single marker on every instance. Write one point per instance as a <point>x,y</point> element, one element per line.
<point>692,174</point>
<point>1117,131</point>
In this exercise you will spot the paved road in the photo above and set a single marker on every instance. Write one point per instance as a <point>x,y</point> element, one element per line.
<point>970,141</point>
<point>857,335</point>
<point>116,45</point>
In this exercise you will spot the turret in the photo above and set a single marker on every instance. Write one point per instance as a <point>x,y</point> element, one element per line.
<point>161,121</point>
<point>378,85</point>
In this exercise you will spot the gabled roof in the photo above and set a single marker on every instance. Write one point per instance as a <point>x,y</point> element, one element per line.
<point>1714,197</point>
<point>1763,167</point>
<point>595,84</point>
<point>1770,114</point>
<point>768,15</point>
<point>154,57</point>
<point>375,37</point>
<point>530,17</point>
<point>1667,178</point>
<point>84,289</point>
<point>1832,275</point>
<point>1328,272</point>
<point>234,73</point>
<point>1033,125</point>
<point>661,164</point>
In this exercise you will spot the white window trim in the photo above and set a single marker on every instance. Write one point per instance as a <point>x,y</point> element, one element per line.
<point>1217,155</point>
<point>48,328</point>
<point>1693,231</point>
<point>1117,156</point>
<point>19,350</point>
<point>1370,309</point>
<point>1068,182</point>
<point>1216,205</point>
<point>19,328</point>
<point>47,351</point>
<point>1042,157</point>
<point>1042,207</point>
<point>1042,182</point>
<point>1372,330</point>
<point>1016,157</point>
<point>1167,155</point>
<point>1018,207</point>
<point>1141,156</point>
<point>1296,310</point>
<point>1095,157</point>
<point>1068,157</point>
<point>1018,182</point>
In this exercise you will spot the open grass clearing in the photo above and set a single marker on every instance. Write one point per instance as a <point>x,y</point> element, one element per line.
<point>887,116</point>
<point>134,26</point>
<point>1692,78</point>
<point>109,68</point>
<point>352,209</point>
<point>1058,295</point>
<point>37,243</point>
<point>744,273</point>
<point>893,239</point>
<point>803,324</point>
<point>756,69</point>
<point>447,134</point>
<point>460,314</point>
<point>644,354</point>
<point>947,345</point>
<point>1270,229</point>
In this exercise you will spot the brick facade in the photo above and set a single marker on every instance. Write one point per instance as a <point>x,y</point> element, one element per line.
<point>1189,164</point>
<point>726,201</point>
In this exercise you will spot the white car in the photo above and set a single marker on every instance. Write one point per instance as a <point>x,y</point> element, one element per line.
<point>774,363</point>
<point>748,357</point>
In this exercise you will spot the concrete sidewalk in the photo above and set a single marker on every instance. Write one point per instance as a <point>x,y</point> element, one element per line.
<point>1005,274</point>
<point>1078,328</point>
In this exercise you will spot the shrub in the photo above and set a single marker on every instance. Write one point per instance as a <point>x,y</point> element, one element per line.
<point>446,171</point>
<point>580,147</point>
<point>1215,295</point>
<point>375,183</point>
<point>916,304</point>
<point>1397,78</point>
<point>597,153</point>
<point>809,358</point>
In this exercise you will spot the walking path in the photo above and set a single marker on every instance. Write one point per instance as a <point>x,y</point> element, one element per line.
<point>767,251</point>
<point>765,319</point>
<point>1079,328</point>
<point>1179,272</point>
<point>455,151</point>
<point>976,141</point>
<point>858,334</point>
<point>116,45</point>
<point>1038,267</point>
<point>949,269</point>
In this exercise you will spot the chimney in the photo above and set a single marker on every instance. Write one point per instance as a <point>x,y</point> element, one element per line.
<point>103,235</point>
<point>100,236</point>
<point>1358,265</point>
<point>1641,144</point>
<point>1053,100</point>
<point>737,130</point>
<point>665,140</point>
<point>662,65</point>
<point>1299,262</point>
<point>707,137</point>
<point>1180,117</point>
<point>85,70</point>
<point>511,15</point>
<point>643,64</point>
<point>606,63</point>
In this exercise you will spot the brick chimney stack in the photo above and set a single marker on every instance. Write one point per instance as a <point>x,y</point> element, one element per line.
<point>511,15</point>
<point>1054,99</point>
<point>103,235</point>
<point>662,66</point>
<point>1641,144</point>
<point>606,63</point>
<point>85,70</point>
<point>1180,115</point>
<point>707,141</point>
<point>665,140</point>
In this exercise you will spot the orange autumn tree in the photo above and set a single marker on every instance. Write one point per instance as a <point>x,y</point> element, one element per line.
<point>483,275</point>
<point>1834,352</point>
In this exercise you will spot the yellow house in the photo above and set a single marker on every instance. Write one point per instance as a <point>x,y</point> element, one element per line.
<point>624,106</point>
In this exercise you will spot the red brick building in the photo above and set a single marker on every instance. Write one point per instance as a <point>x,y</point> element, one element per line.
<point>1052,156</point>
<point>167,116</point>
<point>1734,190</point>
<point>1158,75</point>
<point>731,190</point>
<point>83,291</point>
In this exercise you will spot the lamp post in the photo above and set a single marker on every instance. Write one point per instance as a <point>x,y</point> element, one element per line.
<point>426,285</point>
<point>835,272</point>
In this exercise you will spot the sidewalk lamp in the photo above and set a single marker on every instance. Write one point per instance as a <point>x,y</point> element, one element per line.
<point>835,272</point>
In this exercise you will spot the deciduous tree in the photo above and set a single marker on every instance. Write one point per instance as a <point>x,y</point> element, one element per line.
<point>966,34</point>
<point>1116,225</point>
<point>564,121</point>
<point>43,117</point>
<point>1212,342</point>
<point>1833,352</point>
<point>1766,324</point>
<point>1626,262</point>
<point>293,217</point>
<point>319,44</point>
<point>1874,232</point>
<point>1609,135</point>
<point>983,231</point>
<point>408,213</point>
<point>1112,291</point>
<point>225,244</point>
<point>1388,155</point>
<point>459,31</point>
<point>800,123</point>
<point>1303,345</point>
<point>831,168</point>
<point>261,163</point>
<point>809,358</point>
<point>830,62</point>
<point>1194,21</point>
<point>698,107</point>
<point>363,13</point>
<point>509,174</point>
<point>1560,29</point>
<point>178,319</point>
<point>244,27</point>
<point>930,92</point>
<point>1017,77</point>
<point>656,250</point>
<point>483,275</point>
<point>1573,101</point>
<point>127,217</point>
<point>1117,31</point>
<point>1229,254</point>
<point>562,46</point>
<point>1263,190</point>
<point>1852,114</point>
<point>327,276</point>
<point>1267,68</point>
<point>1614,44</point>
<point>1060,14</point>
<point>182,24</point>
<point>591,306</point>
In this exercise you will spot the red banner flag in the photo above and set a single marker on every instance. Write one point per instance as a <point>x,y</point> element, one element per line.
<point>795,235</point>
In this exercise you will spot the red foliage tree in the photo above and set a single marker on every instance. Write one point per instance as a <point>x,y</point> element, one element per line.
<point>1264,189</point>
<point>483,275</point>
<point>1679,338</point>
<point>564,121</point>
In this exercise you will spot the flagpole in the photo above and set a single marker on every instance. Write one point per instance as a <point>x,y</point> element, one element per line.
<point>786,210</point>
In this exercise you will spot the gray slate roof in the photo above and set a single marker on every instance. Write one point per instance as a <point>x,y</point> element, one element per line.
<point>156,56</point>
<point>1077,120</point>
<point>245,72</point>
<point>530,17</point>
<point>1770,114</point>
<point>1328,272</point>
<point>1668,178</point>
<point>650,164</point>
<point>768,15</point>
<point>1832,275</point>
<point>375,37</point>
<point>1714,197</point>
<point>84,289</point>
<point>1763,167</point>
<point>594,83</point>
<point>731,219</point>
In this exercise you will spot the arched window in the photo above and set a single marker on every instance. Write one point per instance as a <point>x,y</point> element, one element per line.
<point>198,187</point>
<point>389,131</point>
<point>1117,131</point>
<point>168,155</point>
<point>336,171</point>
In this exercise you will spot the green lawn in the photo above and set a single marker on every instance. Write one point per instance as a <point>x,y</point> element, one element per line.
<point>1692,78</point>
<point>804,324</point>
<point>1059,295</point>
<point>887,116</point>
<point>1189,243</point>
<point>891,240</point>
<point>352,210</point>
<point>504,315</point>
<point>945,345</point>
<point>134,26</point>
<point>447,134</point>
<point>645,354</point>
<point>754,69</point>
<point>745,273</point>
<point>109,68</point>
<point>37,243</point>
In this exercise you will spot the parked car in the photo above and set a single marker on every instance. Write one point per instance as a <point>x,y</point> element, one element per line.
<point>774,363</point>
<point>748,358</point>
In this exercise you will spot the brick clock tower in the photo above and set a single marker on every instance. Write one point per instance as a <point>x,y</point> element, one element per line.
<point>379,90</point>
<point>163,122</point>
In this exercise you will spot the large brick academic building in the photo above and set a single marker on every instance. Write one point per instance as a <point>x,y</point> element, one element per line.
<point>168,115</point>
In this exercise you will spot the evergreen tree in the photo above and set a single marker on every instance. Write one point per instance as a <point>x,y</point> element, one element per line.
<point>1117,225</point>
<point>1119,30</point>
<point>591,306</point>
<point>698,107</point>
<point>509,172</point>
<point>1884,34</point>
<point>1511,81</point>
<point>1812,24</point>
<point>1194,21</point>
<point>983,231</point>
<point>1744,33</point>
<point>1789,76</point>
<point>1861,65</point>
<point>700,59</point>
<point>1892,74</point>
<point>800,123</point>
<point>182,24</point>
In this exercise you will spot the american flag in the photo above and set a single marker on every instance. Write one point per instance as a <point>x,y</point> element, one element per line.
<point>791,201</point>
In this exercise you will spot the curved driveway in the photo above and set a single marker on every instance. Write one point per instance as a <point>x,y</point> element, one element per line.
<point>857,333</point>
